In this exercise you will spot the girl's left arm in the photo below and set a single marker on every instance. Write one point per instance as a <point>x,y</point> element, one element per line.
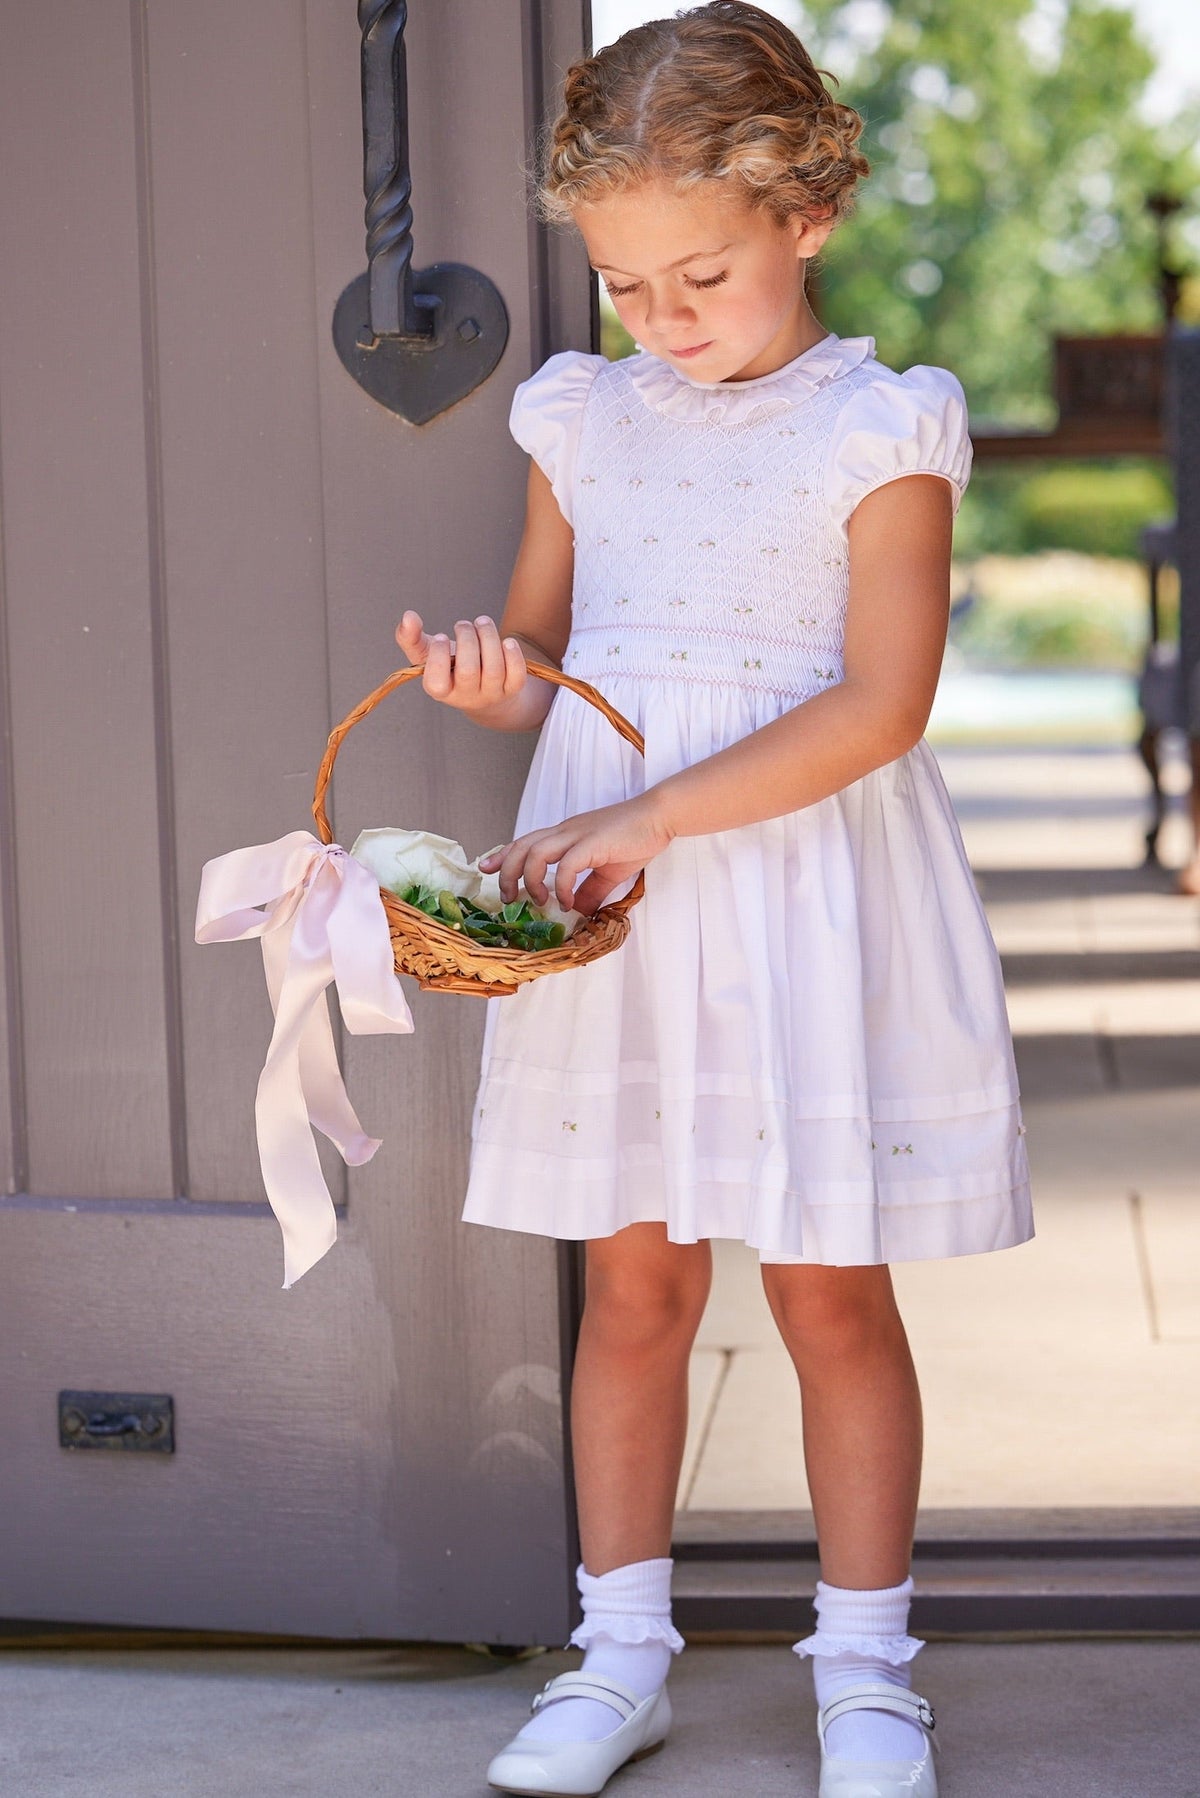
<point>896,622</point>
<point>896,619</point>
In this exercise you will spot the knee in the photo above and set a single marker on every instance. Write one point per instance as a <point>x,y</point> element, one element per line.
<point>832,1313</point>
<point>639,1300</point>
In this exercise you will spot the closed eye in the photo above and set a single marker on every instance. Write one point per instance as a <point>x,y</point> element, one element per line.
<point>713,281</point>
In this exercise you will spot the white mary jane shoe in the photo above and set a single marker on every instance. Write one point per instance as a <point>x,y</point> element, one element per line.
<point>581,1769</point>
<point>878,1779</point>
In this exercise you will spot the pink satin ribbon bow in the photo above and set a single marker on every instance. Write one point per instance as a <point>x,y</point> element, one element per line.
<point>321,920</point>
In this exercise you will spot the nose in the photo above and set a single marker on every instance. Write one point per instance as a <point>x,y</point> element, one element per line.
<point>669,310</point>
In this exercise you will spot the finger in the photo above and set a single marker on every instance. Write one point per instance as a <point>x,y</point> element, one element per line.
<point>466,661</point>
<point>438,678</point>
<point>535,878</point>
<point>491,659</point>
<point>526,862</point>
<point>592,894</point>
<point>515,670</point>
<point>410,635</point>
<point>542,853</point>
<point>509,869</point>
<point>569,869</point>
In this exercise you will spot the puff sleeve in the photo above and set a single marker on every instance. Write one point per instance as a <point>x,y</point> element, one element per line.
<point>911,423</point>
<point>546,413</point>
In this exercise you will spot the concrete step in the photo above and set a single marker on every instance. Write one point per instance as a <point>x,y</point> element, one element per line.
<point>1084,1573</point>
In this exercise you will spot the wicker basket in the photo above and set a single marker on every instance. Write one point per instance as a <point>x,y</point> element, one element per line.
<point>447,960</point>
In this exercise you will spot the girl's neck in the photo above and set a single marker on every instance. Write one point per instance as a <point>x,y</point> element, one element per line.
<point>803,331</point>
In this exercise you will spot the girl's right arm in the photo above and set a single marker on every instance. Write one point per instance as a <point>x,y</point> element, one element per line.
<point>488,678</point>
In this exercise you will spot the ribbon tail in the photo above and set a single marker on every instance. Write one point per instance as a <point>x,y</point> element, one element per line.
<point>291,1169</point>
<point>364,967</point>
<point>325,1097</point>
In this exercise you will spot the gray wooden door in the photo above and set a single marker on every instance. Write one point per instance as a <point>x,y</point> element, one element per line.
<point>208,533</point>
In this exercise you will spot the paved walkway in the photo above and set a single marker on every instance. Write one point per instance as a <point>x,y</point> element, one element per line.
<point>1063,1372</point>
<point>1038,1720</point>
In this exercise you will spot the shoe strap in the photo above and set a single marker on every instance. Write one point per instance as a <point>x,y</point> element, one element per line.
<point>878,1697</point>
<point>589,1685</point>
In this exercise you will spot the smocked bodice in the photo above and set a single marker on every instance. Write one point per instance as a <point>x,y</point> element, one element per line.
<point>709,519</point>
<point>706,552</point>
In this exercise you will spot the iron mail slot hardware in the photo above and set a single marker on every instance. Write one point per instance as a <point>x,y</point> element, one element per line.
<point>129,1422</point>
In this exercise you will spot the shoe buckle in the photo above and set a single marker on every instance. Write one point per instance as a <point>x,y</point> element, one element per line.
<point>539,1698</point>
<point>925,1712</point>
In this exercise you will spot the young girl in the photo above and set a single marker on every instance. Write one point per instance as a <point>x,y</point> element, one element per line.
<point>741,537</point>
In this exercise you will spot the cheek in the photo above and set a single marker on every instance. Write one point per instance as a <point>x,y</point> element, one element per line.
<point>764,303</point>
<point>743,310</point>
<point>628,312</point>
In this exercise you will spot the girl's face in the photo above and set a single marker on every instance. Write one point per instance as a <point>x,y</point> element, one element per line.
<point>709,284</point>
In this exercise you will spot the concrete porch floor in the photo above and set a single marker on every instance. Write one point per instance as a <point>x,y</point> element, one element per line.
<point>1065,1371</point>
<point>1032,1720</point>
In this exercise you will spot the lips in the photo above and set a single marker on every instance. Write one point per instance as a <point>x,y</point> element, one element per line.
<point>693,351</point>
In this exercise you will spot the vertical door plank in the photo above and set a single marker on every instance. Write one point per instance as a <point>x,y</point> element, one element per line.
<point>78,593</point>
<point>12,1098</point>
<point>242,505</point>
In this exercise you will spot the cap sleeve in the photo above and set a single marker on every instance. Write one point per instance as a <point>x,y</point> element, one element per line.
<point>911,423</point>
<point>546,414</point>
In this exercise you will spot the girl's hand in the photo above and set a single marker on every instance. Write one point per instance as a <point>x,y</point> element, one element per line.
<point>484,672</point>
<point>614,842</point>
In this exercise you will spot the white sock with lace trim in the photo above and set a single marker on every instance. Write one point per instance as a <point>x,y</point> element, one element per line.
<point>627,1634</point>
<point>861,1636</point>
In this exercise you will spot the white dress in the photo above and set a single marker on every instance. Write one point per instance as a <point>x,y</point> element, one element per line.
<point>803,1041</point>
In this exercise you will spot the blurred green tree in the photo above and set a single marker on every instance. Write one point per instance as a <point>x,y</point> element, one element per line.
<point>1010,169</point>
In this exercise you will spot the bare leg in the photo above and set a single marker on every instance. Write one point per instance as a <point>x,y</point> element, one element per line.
<point>645,1297</point>
<point>862,1416</point>
<point>862,1448</point>
<point>1189,877</point>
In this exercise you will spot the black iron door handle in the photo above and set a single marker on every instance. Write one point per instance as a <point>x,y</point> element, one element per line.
<point>416,341</point>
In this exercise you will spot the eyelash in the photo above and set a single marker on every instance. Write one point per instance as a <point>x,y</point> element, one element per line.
<point>713,281</point>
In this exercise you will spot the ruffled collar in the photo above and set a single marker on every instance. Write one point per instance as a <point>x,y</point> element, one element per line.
<point>665,389</point>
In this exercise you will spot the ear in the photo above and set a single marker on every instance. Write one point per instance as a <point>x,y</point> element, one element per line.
<point>812,229</point>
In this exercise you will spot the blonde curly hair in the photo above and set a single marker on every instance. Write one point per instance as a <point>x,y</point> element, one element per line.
<point>722,92</point>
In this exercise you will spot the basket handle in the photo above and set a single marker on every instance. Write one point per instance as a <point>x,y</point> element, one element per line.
<point>544,671</point>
